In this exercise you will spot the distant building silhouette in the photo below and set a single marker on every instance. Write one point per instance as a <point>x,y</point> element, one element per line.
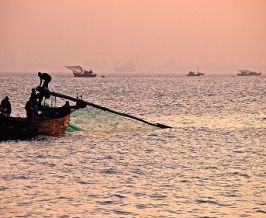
<point>129,67</point>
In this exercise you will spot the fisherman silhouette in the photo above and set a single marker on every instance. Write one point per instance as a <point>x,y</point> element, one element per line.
<point>5,107</point>
<point>37,98</point>
<point>31,109</point>
<point>45,78</point>
<point>34,96</point>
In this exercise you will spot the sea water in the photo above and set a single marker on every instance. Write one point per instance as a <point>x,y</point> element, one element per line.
<point>210,164</point>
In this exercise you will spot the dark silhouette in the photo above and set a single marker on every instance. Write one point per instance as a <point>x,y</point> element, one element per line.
<point>40,97</point>
<point>34,96</point>
<point>45,78</point>
<point>31,109</point>
<point>28,108</point>
<point>67,105</point>
<point>37,98</point>
<point>5,107</point>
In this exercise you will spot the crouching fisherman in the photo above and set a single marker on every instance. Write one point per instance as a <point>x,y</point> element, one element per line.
<point>5,107</point>
<point>45,79</point>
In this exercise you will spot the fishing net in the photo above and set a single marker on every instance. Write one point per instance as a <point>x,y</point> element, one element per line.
<point>96,120</point>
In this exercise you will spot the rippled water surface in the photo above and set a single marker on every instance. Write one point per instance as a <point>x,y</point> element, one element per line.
<point>210,164</point>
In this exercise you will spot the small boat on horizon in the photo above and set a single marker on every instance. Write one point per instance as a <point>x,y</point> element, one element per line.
<point>78,71</point>
<point>191,73</point>
<point>248,73</point>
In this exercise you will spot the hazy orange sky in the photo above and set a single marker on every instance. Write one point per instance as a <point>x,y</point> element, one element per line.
<point>160,36</point>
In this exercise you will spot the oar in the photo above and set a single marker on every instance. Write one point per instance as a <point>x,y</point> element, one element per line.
<point>159,125</point>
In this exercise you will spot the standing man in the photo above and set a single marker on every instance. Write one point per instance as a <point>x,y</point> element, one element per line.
<point>45,78</point>
<point>5,107</point>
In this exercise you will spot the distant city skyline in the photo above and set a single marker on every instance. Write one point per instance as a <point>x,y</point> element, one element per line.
<point>162,36</point>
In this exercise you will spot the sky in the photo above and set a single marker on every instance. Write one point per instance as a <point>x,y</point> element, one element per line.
<point>153,36</point>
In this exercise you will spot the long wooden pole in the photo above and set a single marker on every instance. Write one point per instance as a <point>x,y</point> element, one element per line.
<point>159,125</point>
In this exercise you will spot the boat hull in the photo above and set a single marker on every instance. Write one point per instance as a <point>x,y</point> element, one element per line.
<point>83,75</point>
<point>21,128</point>
<point>201,74</point>
<point>191,73</point>
<point>249,74</point>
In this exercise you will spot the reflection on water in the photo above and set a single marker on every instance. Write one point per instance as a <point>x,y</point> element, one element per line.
<point>211,164</point>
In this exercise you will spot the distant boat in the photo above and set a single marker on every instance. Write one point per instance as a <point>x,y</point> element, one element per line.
<point>191,73</point>
<point>248,73</point>
<point>79,72</point>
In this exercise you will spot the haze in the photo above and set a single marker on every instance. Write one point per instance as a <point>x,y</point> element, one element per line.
<point>155,36</point>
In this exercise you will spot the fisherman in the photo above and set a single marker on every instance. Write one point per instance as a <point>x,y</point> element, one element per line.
<point>37,98</point>
<point>28,108</point>
<point>34,96</point>
<point>5,107</point>
<point>40,97</point>
<point>45,78</point>
<point>31,109</point>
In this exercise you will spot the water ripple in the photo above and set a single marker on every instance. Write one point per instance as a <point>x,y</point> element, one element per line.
<point>211,164</point>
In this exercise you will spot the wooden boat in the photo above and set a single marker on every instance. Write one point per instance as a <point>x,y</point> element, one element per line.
<point>53,123</point>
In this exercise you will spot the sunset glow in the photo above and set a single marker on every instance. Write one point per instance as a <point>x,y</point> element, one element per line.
<point>156,36</point>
